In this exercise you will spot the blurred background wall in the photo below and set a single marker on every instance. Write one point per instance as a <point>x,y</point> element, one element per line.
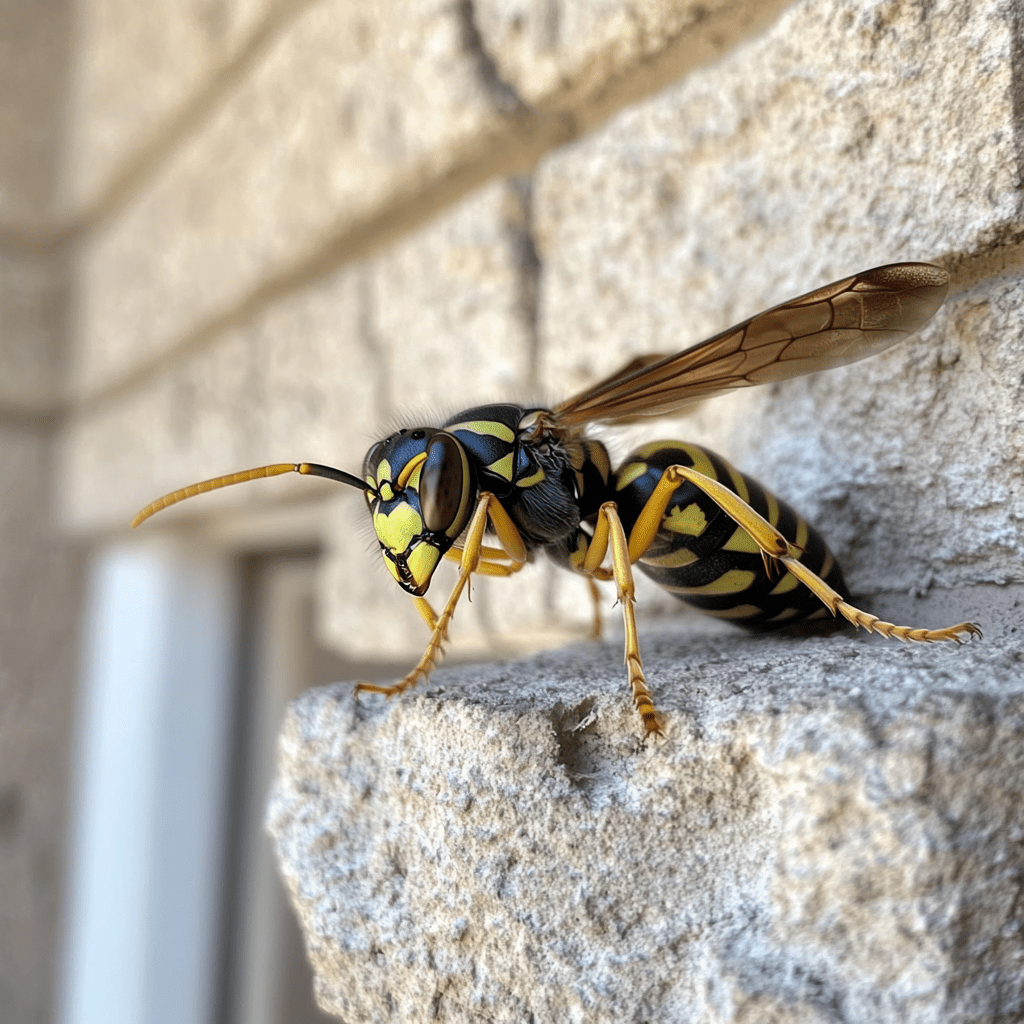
<point>235,232</point>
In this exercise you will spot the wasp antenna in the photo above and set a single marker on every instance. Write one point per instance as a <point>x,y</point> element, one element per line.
<point>330,473</point>
<point>245,475</point>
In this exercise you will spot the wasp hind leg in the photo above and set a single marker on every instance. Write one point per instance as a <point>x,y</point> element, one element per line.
<point>608,531</point>
<point>774,546</point>
<point>595,600</point>
<point>471,561</point>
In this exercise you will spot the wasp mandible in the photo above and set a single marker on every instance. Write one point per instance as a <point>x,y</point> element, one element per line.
<point>529,479</point>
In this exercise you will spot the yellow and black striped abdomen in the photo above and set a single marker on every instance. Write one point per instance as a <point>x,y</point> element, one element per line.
<point>703,557</point>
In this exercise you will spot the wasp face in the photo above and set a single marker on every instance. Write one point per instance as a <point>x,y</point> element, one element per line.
<point>421,500</point>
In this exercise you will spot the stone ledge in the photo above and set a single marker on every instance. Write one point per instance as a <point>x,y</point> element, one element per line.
<point>833,825</point>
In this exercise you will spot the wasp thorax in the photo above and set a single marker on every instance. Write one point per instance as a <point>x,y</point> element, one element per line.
<point>421,499</point>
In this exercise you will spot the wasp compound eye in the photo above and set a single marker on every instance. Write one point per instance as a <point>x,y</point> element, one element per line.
<point>443,482</point>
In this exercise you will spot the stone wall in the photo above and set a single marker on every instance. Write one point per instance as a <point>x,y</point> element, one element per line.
<point>40,571</point>
<point>292,222</point>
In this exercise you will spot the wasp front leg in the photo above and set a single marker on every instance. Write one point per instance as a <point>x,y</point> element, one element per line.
<point>487,507</point>
<point>608,531</point>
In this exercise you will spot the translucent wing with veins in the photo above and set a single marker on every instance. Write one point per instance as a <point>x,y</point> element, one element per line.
<point>831,326</point>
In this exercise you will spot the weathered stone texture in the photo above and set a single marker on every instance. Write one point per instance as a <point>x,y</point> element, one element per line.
<point>565,51</point>
<point>40,598</point>
<point>832,826</point>
<point>32,301</point>
<point>312,137</point>
<point>452,308</point>
<point>854,144</point>
<point>136,68</point>
<point>35,44</point>
<point>264,392</point>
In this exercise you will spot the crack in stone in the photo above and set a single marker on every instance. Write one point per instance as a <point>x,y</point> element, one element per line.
<point>502,93</point>
<point>530,269</point>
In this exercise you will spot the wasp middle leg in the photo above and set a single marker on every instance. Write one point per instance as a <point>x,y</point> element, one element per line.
<point>608,531</point>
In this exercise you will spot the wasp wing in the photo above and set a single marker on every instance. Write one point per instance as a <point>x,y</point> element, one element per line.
<point>831,326</point>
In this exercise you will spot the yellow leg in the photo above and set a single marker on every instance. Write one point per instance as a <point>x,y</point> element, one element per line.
<point>608,530</point>
<point>489,566</point>
<point>470,561</point>
<point>595,597</point>
<point>427,613</point>
<point>774,546</point>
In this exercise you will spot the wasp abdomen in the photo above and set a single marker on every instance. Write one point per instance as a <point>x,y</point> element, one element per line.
<point>705,558</point>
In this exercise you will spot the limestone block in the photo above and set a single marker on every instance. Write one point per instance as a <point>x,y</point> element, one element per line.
<point>40,603</point>
<point>274,390</point>
<point>35,42</point>
<point>453,307</point>
<point>32,298</point>
<point>349,110</point>
<point>562,53</point>
<point>136,68</point>
<point>831,826</point>
<point>842,139</point>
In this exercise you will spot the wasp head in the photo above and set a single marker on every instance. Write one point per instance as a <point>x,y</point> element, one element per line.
<point>421,491</point>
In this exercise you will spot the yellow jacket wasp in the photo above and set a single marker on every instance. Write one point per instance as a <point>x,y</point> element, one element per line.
<point>701,529</point>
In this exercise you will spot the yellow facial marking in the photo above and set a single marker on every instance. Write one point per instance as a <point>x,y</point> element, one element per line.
<point>392,568</point>
<point>411,467</point>
<point>385,491</point>
<point>786,584</point>
<point>383,471</point>
<point>735,581</point>
<point>741,541</point>
<point>532,479</point>
<point>673,560</point>
<point>629,474</point>
<point>503,467</point>
<point>491,428</point>
<point>396,529</point>
<point>370,480</point>
<point>423,560</point>
<point>690,520</point>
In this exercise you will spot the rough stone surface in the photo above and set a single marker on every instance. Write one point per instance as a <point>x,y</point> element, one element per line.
<point>851,146</point>
<point>136,67</point>
<point>32,310</point>
<point>348,109</point>
<point>453,307</point>
<point>568,50</point>
<point>40,598</point>
<point>265,392</point>
<point>34,56</point>
<point>831,830</point>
